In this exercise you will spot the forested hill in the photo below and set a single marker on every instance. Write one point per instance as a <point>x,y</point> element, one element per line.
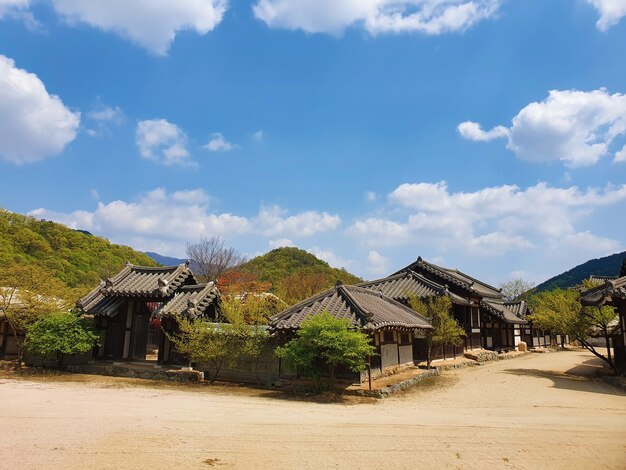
<point>281,263</point>
<point>296,274</point>
<point>77,258</point>
<point>606,266</point>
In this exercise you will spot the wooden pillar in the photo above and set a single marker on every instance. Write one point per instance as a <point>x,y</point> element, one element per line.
<point>128,330</point>
<point>397,337</point>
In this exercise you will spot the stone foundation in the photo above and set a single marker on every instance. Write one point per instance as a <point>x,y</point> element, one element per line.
<point>394,388</point>
<point>119,370</point>
<point>481,356</point>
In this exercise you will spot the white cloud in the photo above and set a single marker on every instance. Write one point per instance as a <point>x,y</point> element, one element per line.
<point>33,123</point>
<point>166,220</point>
<point>274,221</point>
<point>331,258</point>
<point>280,243</point>
<point>151,24</point>
<point>157,219</point>
<point>103,117</point>
<point>103,113</point>
<point>259,136</point>
<point>492,221</point>
<point>573,126</point>
<point>620,157</point>
<point>611,12</point>
<point>371,196</point>
<point>376,16</point>
<point>472,131</point>
<point>163,142</point>
<point>95,194</point>
<point>217,143</point>
<point>13,7</point>
<point>378,264</point>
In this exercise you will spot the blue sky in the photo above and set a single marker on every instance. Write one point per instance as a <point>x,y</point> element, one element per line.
<point>486,135</point>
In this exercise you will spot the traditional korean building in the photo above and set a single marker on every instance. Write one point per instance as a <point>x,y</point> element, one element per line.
<point>407,283</point>
<point>478,307</point>
<point>391,324</point>
<point>612,293</point>
<point>533,337</point>
<point>131,307</point>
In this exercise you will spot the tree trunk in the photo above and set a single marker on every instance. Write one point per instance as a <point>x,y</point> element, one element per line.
<point>20,348</point>
<point>218,367</point>
<point>592,350</point>
<point>429,353</point>
<point>60,360</point>
<point>607,339</point>
<point>562,341</point>
<point>443,351</point>
<point>331,369</point>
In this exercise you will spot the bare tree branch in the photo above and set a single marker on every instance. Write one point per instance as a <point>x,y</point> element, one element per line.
<point>213,257</point>
<point>515,288</point>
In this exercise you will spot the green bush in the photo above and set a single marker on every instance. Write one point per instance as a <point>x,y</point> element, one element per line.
<point>58,334</point>
<point>330,340</point>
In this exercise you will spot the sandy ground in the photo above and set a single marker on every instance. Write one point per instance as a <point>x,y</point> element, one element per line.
<point>537,411</point>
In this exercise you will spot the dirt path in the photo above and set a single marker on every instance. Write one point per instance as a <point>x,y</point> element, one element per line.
<point>538,411</point>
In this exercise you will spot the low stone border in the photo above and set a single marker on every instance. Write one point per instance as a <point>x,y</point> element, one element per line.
<point>169,375</point>
<point>8,365</point>
<point>512,355</point>
<point>394,388</point>
<point>542,350</point>
<point>459,364</point>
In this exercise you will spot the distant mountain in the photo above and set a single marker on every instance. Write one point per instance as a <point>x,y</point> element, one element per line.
<point>606,266</point>
<point>165,260</point>
<point>171,261</point>
<point>76,258</point>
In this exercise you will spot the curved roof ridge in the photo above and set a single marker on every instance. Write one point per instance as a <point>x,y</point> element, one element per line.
<point>294,308</point>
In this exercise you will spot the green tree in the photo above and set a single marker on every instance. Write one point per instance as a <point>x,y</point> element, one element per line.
<point>255,342</point>
<point>250,308</point>
<point>216,344</point>
<point>330,340</point>
<point>59,334</point>
<point>560,312</point>
<point>445,330</point>
<point>557,311</point>
<point>27,293</point>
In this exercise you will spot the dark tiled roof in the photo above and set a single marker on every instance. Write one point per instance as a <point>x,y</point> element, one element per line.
<point>135,281</point>
<point>190,301</point>
<point>520,308</point>
<point>456,277</point>
<point>500,312</point>
<point>399,286</point>
<point>597,279</point>
<point>605,293</point>
<point>147,281</point>
<point>594,280</point>
<point>102,305</point>
<point>361,307</point>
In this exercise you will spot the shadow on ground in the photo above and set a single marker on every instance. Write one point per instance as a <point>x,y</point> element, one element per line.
<point>582,378</point>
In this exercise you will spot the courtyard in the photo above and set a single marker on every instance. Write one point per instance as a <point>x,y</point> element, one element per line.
<point>536,411</point>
